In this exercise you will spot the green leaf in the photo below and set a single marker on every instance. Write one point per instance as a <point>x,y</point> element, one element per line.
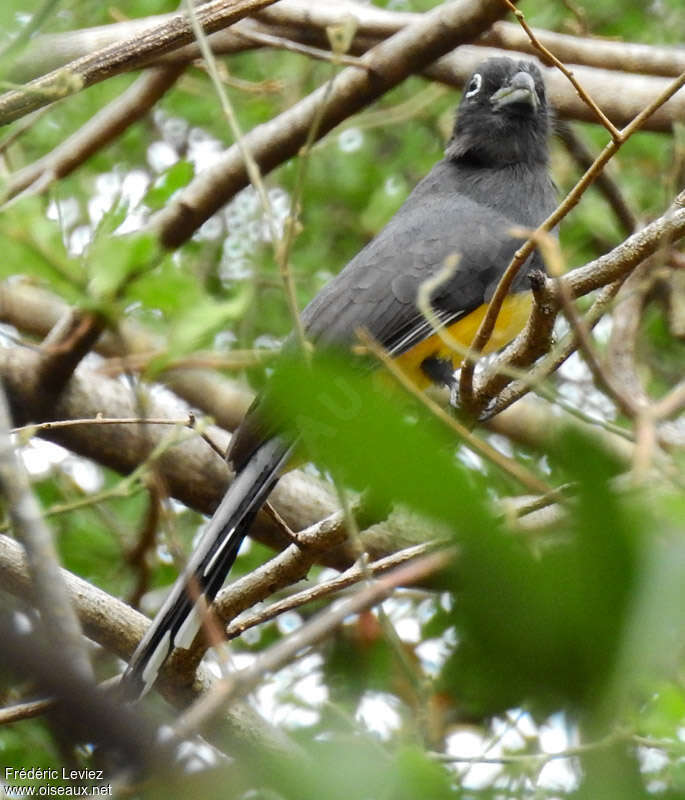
<point>167,288</point>
<point>198,324</point>
<point>113,260</point>
<point>194,326</point>
<point>176,177</point>
<point>32,246</point>
<point>416,775</point>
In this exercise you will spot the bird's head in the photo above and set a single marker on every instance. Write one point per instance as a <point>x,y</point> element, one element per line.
<point>503,117</point>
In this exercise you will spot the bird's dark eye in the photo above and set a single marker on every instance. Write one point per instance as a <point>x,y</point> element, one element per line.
<point>474,85</point>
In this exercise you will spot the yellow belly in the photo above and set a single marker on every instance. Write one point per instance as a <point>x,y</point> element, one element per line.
<point>510,322</point>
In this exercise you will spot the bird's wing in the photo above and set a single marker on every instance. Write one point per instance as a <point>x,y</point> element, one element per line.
<point>378,289</point>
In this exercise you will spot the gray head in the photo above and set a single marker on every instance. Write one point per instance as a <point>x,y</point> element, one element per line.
<point>503,117</point>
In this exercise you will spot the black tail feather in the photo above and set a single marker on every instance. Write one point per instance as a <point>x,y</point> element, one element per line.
<point>180,618</point>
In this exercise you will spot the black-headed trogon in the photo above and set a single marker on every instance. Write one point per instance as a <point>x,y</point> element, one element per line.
<point>494,176</point>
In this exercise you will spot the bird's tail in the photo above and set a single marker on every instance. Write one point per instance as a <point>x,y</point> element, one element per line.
<point>180,618</point>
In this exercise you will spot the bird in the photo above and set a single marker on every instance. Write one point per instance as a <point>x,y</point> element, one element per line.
<point>494,177</point>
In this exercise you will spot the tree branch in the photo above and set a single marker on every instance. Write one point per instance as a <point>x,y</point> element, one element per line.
<point>618,263</point>
<point>36,311</point>
<point>355,574</point>
<point>98,132</point>
<point>307,20</point>
<point>240,683</point>
<point>273,142</point>
<point>192,472</point>
<point>121,57</point>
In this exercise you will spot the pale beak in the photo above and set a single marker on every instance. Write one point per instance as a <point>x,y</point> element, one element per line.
<point>521,89</point>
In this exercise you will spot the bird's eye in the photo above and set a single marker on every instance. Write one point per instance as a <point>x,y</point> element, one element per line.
<point>474,85</point>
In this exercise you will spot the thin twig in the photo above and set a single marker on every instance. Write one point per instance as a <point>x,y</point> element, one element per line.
<point>605,183</point>
<point>39,427</point>
<point>259,37</point>
<point>21,711</point>
<point>253,172</point>
<point>187,422</point>
<point>285,243</point>
<point>549,57</point>
<point>351,576</point>
<point>539,759</point>
<point>137,556</point>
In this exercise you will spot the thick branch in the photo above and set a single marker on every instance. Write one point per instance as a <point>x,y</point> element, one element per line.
<point>273,142</point>
<point>309,18</point>
<point>103,128</point>
<point>626,256</point>
<point>35,311</point>
<point>122,57</point>
<point>606,273</point>
<point>191,471</point>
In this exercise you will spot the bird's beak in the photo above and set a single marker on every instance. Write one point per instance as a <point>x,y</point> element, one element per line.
<point>521,89</point>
